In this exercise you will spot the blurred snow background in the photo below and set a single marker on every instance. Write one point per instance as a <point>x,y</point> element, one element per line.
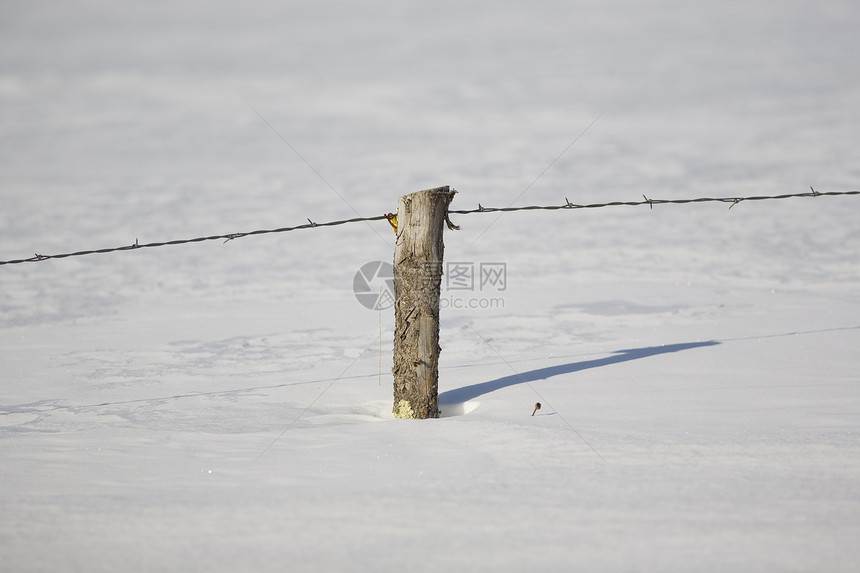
<point>210,406</point>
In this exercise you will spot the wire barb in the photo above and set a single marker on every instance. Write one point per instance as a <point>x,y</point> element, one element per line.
<point>649,201</point>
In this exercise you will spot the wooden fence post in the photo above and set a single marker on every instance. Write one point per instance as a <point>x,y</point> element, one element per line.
<point>417,283</point>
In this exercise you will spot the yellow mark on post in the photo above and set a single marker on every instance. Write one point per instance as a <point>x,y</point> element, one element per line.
<point>392,220</point>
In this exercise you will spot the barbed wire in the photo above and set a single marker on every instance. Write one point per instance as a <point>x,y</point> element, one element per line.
<point>392,219</point>
<point>650,202</point>
<point>227,237</point>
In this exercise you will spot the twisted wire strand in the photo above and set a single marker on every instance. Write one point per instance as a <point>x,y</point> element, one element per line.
<point>481,209</point>
<point>646,201</point>
<point>227,237</point>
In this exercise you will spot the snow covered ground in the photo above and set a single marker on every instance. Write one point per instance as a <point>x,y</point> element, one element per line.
<point>227,406</point>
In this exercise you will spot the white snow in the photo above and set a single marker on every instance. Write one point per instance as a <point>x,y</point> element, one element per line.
<point>221,407</point>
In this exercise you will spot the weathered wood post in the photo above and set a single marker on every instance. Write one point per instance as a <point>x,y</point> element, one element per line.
<point>417,282</point>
